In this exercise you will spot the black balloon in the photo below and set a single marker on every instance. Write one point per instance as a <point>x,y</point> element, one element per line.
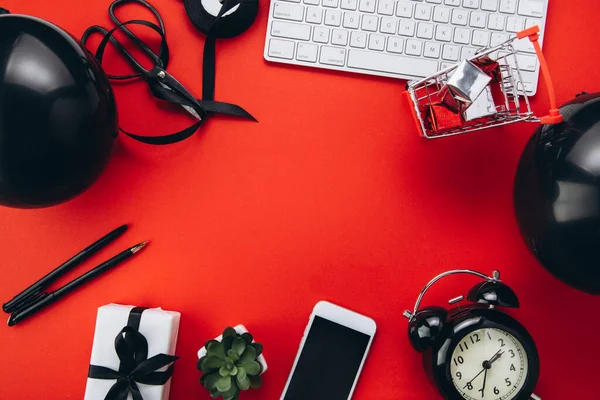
<point>557,195</point>
<point>58,119</point>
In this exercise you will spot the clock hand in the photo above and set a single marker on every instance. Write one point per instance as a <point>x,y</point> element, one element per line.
<point>475,377</point>
<point>486,365</point>
<point>484,378</point>
<point>494,358</point>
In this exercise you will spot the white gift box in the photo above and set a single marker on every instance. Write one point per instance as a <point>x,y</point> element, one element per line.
<point>159,327</point>
<point>239,329</point>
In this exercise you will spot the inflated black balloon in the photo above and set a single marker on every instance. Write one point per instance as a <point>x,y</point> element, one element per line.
<point>557,195</point>
<point>58,119</point>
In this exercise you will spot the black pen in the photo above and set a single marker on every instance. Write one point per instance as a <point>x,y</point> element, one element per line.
<point>45,299</point>
<point>33,292</point>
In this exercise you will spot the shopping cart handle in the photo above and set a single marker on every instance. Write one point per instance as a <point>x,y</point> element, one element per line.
<point>533,33</point>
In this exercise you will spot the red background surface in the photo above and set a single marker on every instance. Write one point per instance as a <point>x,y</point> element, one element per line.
<point>331,196</point>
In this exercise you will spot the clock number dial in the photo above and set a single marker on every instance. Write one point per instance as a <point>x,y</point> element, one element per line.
<point>459,360</point>
<point>488,364</point>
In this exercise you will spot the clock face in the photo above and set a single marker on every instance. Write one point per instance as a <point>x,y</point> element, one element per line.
<point>488,363</point>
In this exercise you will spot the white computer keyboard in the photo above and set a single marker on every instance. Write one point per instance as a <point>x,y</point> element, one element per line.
<point>401,39</point>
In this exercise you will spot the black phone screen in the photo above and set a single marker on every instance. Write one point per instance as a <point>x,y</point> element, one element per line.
<point>328,363</point>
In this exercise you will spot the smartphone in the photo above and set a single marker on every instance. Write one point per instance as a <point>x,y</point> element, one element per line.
<point>331,355</point>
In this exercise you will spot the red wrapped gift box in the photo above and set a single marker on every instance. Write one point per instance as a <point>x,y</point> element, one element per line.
<point>439,117</point>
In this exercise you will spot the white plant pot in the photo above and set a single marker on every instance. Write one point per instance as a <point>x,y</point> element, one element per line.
<point>239,329</point>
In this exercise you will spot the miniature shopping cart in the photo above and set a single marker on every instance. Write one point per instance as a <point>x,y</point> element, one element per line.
<point>510,103</point>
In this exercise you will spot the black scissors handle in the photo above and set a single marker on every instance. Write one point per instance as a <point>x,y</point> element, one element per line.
<point>113,16</point>
<point>159,60</point>
<point>109,36</point>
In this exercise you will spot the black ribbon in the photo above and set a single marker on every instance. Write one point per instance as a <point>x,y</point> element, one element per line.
<point>216,27</point>
<point>135,366</point>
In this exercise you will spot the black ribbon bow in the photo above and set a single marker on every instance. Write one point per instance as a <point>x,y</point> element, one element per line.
<point>135,367</point>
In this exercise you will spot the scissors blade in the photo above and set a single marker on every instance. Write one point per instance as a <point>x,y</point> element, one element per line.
<point>189,109</point>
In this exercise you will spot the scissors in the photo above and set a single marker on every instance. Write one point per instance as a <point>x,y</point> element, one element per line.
<point>162,84</point>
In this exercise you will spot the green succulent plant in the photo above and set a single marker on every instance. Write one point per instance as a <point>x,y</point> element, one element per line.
<point>231,365</point>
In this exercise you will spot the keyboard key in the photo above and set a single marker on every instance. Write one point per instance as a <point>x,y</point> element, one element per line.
<point>524,45</point>
<point>443,33</point>
<point>489,5</point>
<point>414,47</point>
<point>432,50</point>
<point>321,34</point>
<point>290,31</point>
<point>497,22</point>
<point>450,52</point>
<point>467,52</point>
<point>406,27</point>
<point>441,14</point>
<point>376,42</point>
<point>349,5</point>
<point>527,63</point>
<point>423,12</point>
<point>471,4</point>
<point>515,24</point>
<point>460,17</point>
<point>405,9</point>
<point>333,17</point>
<point>312,2</point>
<point>462,36</point>
<point>531,8</point>
<point>444,65</point>
<point>478,19</point>
<point>351,20</point>
<point>498,38</point>
<point>385,7</point>
<point>281,49</point>
<point>367,6</point>
<point>452,2</point>
<point>369,23</point>
<point>425,30</point>
<point>390,63</point>
<point>481,38</point>
<point>307,52</point>
<point>314,15</point>
<point>339,37</point>
<point>333,56</point>
<point>529,22</point>
<point>293,1</point>
<point>508,6</point>
<point>330,3</point>
<point>358,39</point>
<point>395,45</point>
<point>290,12</point>
<point>434,1</point>
<point>388,25</point>
<point>529,87</point>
